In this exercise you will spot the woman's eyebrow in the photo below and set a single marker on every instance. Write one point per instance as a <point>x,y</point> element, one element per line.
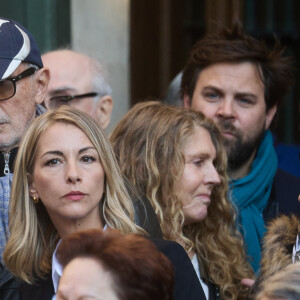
<point>202,155</point>
<point>86,148</point>
<point>60,153</point>
<point>53,152</point>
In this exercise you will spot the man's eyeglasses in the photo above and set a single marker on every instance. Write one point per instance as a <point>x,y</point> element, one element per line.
<point>8,85</point>
<point>57,101</point>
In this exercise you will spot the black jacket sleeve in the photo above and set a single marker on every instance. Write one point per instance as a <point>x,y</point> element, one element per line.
<point>187,284</point>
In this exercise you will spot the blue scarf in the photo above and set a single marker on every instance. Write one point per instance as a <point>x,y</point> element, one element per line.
<point>251,194</point>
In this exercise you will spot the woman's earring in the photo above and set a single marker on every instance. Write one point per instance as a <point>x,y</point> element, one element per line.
<point>35,199</point>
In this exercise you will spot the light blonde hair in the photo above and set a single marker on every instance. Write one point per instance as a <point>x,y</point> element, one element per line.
<point>284,284</point>
<point>148,143</point>
<point>33,237</point>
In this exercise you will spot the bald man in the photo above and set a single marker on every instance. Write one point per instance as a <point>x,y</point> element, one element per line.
<point>79,81</point>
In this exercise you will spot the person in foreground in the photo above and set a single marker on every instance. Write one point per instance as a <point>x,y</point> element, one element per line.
<point>281,247</point>
<point>176,159</point>
<point>109,265</point>
<point>66,180</point>
<point>284,285</point>
<point>239,82</point>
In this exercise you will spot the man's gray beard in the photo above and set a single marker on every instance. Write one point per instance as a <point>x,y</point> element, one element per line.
<point>239,151</point>
<point>7,146</point>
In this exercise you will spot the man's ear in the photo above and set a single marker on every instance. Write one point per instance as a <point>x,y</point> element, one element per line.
<point>104,109</point>
<point>270,115</point>
<point>186,100</point>
<point>42,81</point>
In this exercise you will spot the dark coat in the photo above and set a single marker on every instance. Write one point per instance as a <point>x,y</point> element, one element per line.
<point>146,218</point>
<point>8,285</point>
<point>284,196</point>
<point>187,285</point>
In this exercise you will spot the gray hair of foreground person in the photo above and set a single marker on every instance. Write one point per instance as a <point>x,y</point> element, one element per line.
<point>33,237</point>
<point>138,269</point>
<point>284,285</point>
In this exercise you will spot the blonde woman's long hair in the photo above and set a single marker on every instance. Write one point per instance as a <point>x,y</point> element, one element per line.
<point>148,143</point>
<point>33,237</point>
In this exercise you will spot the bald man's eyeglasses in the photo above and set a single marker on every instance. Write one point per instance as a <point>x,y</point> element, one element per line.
<point>8,85</point>
<point>56,101</point>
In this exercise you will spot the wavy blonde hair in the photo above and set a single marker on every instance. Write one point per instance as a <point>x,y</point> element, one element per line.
<point>33,237</point>
<point>148,143</point>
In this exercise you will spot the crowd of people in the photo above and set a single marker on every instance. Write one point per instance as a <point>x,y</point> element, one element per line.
<point>182,201</point>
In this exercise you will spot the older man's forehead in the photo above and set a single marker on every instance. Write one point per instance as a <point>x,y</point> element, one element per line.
<point>67,74</point>
<point>69,89</point>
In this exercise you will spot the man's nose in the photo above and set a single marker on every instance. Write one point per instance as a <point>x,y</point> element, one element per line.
<point>226,109</point>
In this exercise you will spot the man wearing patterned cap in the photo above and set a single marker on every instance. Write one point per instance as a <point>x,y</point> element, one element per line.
<point>23,83</point>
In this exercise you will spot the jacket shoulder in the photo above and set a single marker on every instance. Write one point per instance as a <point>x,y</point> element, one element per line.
<point>284,196</point>
<point>187,285</point>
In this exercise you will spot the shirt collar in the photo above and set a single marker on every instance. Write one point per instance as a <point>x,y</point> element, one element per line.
<point>57,269</point>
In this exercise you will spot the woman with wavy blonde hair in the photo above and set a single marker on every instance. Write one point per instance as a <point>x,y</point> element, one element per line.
<point>66,179</point>
<point>174,156</point>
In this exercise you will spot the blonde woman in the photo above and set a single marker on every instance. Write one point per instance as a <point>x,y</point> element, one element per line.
<point>174,156</point>
<point>66,180</point>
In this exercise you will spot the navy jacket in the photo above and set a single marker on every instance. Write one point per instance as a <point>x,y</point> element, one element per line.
<point>284,196</point>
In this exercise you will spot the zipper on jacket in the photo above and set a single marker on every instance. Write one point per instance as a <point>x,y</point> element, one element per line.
<point>6,161</point>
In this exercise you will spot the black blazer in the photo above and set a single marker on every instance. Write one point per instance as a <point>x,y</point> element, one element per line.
<point>145,217</point>
<point>187,285</point>
<point>8,285</point>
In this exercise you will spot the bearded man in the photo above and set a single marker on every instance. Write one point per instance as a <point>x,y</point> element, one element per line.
<point>237,81</point>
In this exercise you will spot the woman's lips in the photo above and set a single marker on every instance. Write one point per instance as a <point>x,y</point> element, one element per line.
<point>74,195</point>
<point>205,198</point>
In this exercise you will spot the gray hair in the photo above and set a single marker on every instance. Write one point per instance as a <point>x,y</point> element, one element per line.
<point>99,79</point>
<point>283,285</point>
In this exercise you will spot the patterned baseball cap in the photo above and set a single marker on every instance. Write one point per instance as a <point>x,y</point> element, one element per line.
<point>16,45</point>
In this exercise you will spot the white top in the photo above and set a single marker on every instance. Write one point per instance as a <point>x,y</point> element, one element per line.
<point>56,269</point>
<point>197,269</point>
